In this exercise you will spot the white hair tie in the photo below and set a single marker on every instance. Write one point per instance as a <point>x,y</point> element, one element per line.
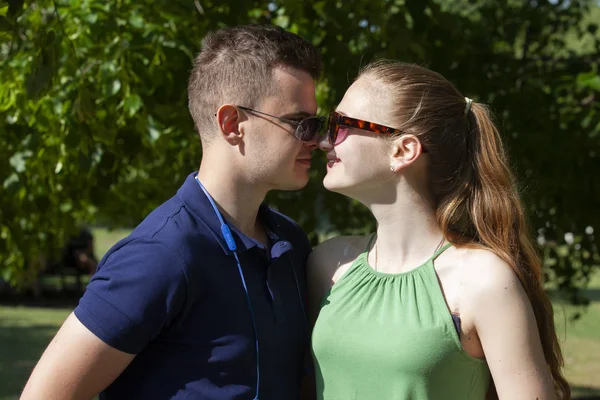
<point>468,105</point>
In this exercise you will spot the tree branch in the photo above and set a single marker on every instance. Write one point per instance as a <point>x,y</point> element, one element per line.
<point>199,7</point>
<point>62,27</point>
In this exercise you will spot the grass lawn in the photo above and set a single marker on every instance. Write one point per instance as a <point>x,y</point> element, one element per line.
<point>581,342</point>
<point>24,334</point>
<point>26,331</point>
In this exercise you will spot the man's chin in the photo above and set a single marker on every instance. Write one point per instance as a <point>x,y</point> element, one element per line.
<point>291,185</point>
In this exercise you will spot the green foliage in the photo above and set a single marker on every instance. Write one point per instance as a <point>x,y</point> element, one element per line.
<point>94,121</point>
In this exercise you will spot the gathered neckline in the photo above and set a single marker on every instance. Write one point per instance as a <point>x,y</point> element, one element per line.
<point>363,259</point>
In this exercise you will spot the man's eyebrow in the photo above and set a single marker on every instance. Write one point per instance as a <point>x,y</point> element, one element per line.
<point>298,115</point>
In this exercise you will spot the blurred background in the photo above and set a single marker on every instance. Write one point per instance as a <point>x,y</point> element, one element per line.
<point>95,133</point>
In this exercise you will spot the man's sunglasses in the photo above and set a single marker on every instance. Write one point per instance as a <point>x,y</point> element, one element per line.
<point>307,129</point>
<point>335,135</point>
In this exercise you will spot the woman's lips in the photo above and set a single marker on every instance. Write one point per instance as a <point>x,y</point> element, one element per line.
<point>332,161</point>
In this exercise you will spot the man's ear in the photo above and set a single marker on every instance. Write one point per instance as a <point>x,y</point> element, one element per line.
<point>406,149</point>
<point>229,118</point>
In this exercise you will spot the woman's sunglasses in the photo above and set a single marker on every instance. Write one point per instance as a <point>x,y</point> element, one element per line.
<point>307,129</point>
<point>335,135</point>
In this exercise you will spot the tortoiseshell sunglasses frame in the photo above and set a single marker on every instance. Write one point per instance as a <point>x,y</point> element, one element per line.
<point>336,120</point>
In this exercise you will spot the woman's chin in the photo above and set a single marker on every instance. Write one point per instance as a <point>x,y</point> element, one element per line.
<point>328,183</point>
<point>333,185</point>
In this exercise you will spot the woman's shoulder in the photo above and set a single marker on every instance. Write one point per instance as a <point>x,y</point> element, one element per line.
<point>340,247</point>
<point>487,270</point>
<point>334,253</point>
<point>327,263</point>
<point>486,277</point>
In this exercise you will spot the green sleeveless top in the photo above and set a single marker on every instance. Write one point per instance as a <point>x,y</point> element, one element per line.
<point>391,336</point>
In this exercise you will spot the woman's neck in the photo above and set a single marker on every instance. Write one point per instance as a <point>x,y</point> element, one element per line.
<point>407,234</point>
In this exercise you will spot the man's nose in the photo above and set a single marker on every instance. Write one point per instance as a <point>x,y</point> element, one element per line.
<point>316,141</point>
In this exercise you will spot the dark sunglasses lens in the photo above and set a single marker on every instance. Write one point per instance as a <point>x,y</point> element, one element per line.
<point>309,128</point>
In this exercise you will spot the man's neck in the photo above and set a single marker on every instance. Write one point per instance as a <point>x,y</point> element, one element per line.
<point>238,201</point>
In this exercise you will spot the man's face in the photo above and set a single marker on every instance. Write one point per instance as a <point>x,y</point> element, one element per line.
<point>272,156</point>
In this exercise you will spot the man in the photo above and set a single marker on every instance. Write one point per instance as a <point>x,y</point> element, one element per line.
<point>182,308</point>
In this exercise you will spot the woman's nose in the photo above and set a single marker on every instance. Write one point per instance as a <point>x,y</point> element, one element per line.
<point>324,143</point>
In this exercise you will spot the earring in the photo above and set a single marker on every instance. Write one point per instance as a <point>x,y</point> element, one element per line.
<point>392,168</point>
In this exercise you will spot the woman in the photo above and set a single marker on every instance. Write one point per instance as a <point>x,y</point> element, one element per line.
<point>448,291</point>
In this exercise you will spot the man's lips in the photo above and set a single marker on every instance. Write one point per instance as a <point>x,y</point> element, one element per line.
<point>304,161</point>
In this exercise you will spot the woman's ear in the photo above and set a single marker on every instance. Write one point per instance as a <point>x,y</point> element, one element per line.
<point>406,149</point>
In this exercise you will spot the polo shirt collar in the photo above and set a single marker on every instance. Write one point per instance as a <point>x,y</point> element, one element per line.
<point>195,200</point>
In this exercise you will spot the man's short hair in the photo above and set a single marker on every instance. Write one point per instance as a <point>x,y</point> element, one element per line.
<point>235,65</point>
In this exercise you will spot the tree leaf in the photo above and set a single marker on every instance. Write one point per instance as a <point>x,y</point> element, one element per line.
<point>136,20</point>
<point>132,104</point>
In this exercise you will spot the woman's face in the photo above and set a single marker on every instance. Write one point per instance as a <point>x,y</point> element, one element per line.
<point>359,162</point>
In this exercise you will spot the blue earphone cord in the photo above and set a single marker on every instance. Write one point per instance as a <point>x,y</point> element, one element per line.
<point>232,246</point>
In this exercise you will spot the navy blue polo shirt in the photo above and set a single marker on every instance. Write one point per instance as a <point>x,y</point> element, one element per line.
<point>171,293</point>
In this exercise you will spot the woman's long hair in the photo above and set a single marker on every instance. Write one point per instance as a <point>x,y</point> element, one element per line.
<point>476,198</point>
